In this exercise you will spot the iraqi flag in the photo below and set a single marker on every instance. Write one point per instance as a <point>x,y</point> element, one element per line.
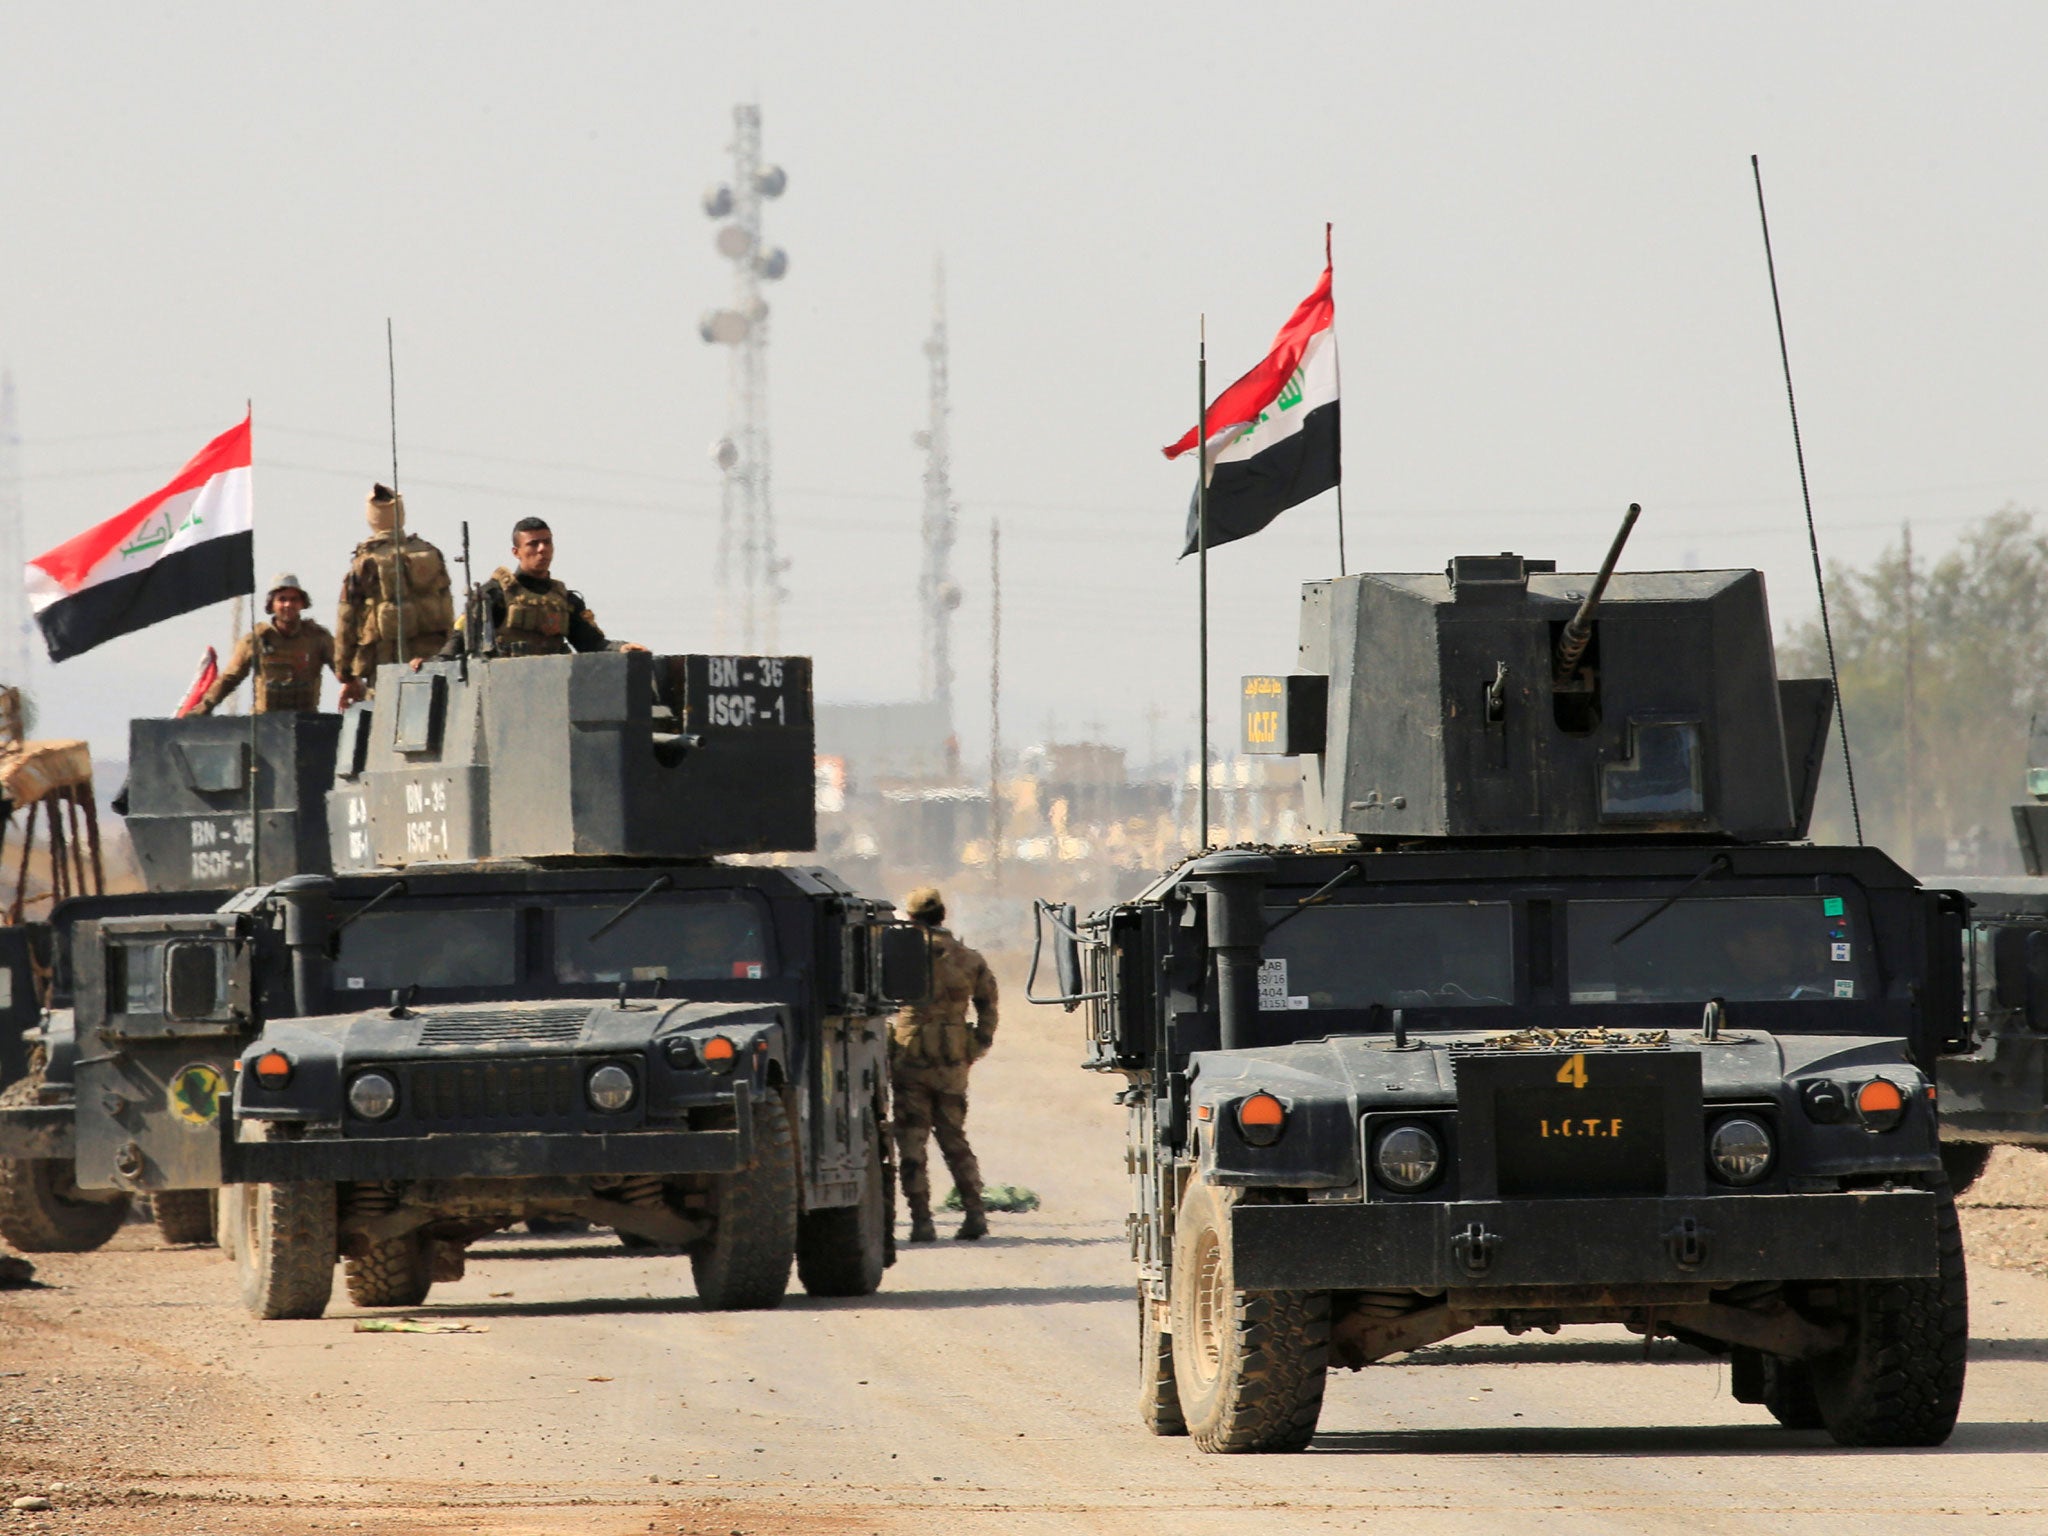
<point>177,549</point>
<point>1273,435</point>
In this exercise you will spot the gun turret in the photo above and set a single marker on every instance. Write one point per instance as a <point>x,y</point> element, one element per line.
<point>1578,632</point>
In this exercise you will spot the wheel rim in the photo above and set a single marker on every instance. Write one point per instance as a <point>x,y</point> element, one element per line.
<point>1211,1304</point>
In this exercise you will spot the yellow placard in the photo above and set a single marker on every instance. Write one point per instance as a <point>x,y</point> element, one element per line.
<point>194,1094</point>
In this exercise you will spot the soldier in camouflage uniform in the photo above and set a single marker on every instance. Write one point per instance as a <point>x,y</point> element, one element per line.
<point>368,614</point>
<point>525,611</point>
<point>931,1048</point>
<point>288,652</point>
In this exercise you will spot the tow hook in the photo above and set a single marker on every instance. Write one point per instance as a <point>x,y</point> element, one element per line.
<point>1474,1247</point>
<point>1687,1243</point>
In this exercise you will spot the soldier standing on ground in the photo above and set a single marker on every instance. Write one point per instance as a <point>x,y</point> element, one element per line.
<point>368,614</point>
<point>288,652</point>
<point>526,611</point>
<point>931,1048</point>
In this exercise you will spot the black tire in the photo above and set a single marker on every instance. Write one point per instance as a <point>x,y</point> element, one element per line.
<point>843,1250</point>
<point>1158,1397</point>
<point>1789,1394</point>
<point>42,1209</point>
<point>183,1216</point>
<point>1899,1379</point>
<point>397,1272</point>
<point>228,1211</point>
<point>1963,1162</point>
<point>744,1265</point>
<point>635,1241</point>
<point>1248,1366</point>
<point>288,1246</point>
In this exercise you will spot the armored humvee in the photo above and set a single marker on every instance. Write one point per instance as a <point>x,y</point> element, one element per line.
<point>1555,1020</point>
<point>527,991</point>
<point>1998,1093</point>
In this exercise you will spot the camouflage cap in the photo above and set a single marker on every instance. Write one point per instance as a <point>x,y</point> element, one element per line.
<point>925,901</point>
<point>284,581</point>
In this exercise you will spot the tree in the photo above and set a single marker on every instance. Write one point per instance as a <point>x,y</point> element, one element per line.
<point>1973,632</point>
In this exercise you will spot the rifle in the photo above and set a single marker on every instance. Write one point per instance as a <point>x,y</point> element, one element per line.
<point>479,625</point>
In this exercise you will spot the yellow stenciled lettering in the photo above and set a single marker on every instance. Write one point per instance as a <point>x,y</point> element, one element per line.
<point>1614,1127</point>
<point>1573,1071</point>
<point>1592,1127</point>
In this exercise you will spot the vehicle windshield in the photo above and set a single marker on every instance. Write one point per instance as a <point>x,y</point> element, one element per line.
<point>663,941</point>
<point>1750,949</point>
<point>1352,955</point>
<point>428,948</point>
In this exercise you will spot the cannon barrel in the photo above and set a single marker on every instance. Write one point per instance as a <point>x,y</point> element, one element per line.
<point>1571,645</point>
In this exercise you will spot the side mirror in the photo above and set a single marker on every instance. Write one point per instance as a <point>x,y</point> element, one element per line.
<point>903,964</point>
<point>1066,956</point>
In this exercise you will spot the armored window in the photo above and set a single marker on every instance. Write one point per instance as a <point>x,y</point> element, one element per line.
<point>430,948</point>
<point>720,940</point>
<point>1739,948</point>
<point>1436,955</point>
<point>135,978</point>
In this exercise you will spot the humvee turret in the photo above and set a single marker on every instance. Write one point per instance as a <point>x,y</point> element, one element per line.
<point>508,1007</point>
<point>1553,1020</point>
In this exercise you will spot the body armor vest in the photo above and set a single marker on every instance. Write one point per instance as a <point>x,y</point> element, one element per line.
<point>535,623</point>
<point>429,602</point>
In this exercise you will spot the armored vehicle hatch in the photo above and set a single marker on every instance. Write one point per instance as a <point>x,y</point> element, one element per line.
<point>189,809</point>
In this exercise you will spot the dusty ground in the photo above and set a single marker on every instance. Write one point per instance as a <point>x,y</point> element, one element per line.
<point>986,1389</point>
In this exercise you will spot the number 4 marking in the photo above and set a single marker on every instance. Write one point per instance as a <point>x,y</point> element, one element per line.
<point>1573,1071</point>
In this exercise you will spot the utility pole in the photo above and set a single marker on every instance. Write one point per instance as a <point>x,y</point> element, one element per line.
<point>1912,794</point>
<point>749,567</point>
<point>937,593</point>
<point>14,619</point>
<point>995,702</point>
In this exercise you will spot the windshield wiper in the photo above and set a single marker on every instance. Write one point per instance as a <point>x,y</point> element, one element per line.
<point>390,890</point>
<point>1347,872</point>
<point>1720,862</point>
<point>661,883</point>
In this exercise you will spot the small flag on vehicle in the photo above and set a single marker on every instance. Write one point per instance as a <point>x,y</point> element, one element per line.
<point>181,547</point>
<point>1273,438</point>
<point>209,670</point>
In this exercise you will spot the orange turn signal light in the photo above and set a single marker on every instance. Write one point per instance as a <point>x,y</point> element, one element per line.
<point>273,1069</point>
<point>1261,1109</point>
<point>1879,1096</point>
<point>717,1053</point>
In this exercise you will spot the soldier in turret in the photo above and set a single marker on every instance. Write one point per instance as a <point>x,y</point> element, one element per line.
<point>526,612</point>
<point>288,652</point>
<point>931,1048</point>
<point>383,590</point>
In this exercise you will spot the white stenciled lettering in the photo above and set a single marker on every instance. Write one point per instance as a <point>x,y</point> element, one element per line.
<point>215,865</point>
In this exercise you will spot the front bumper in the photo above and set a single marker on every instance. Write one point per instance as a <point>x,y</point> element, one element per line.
<point>490,1154</point>
<point>1717,1240</point>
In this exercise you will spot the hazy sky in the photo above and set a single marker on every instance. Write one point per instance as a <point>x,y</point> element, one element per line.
<point>1551,296</point>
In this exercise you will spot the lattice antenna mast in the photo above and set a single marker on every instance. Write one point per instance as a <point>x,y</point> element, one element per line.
<point>938,594</point>
<point>750,567</point>
<point>14,615</point>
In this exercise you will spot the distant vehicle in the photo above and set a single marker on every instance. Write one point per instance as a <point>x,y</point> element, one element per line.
<point>1553,1020</point>
<point>530,992</point>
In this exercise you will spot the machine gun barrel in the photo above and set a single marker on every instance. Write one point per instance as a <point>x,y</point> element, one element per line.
<point>1571,645</point>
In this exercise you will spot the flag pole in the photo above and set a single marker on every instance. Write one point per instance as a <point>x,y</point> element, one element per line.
<point>256,678</point>
<point>1330,262</point>
<point>1202,547</point>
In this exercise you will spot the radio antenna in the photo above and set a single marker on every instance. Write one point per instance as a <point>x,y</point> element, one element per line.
<point>1820,585</point>
<point>391,381</point>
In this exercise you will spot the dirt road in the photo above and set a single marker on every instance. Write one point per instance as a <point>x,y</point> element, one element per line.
<point>987,1388</point>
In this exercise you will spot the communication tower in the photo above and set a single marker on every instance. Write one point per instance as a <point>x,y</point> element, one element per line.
<point>750,568</point>
<point>938,594</point>
<point>14,615</point>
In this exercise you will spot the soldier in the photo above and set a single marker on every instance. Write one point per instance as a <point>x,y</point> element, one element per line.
<point>287,652</point>
<point>931,1048</point>
<point>368,614</point>
<point>529,613</point>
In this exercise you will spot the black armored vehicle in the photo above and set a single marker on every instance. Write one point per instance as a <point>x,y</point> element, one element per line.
<point>1554,1021</point>
<point>529,990</point>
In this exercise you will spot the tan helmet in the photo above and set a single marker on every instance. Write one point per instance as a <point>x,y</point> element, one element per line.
<point>386,509</point>
<point>926,904</point>
<point>284,581</point>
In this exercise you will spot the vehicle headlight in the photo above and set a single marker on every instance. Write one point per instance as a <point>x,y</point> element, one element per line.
<point>681,1051</point>
<point>1407,1158</point>
<point>372,1096</point>
<point>1740,1149</point>
<point>611,1087</point>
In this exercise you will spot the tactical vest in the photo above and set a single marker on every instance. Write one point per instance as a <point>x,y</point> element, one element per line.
<point>535,623</point>
<point>935,1033</point>
<point>429,600</point>
<point>287,669</point>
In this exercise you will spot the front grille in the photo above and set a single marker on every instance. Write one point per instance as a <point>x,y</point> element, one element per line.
<point>465,1092</point>
<point>483,1025</point>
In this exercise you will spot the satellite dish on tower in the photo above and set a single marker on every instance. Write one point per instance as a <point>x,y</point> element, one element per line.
<point>725,453</point>
<point>734,241</point>
<point>718,201</point>
<point>724,327</point>
<point>772,264</point>
<point>770,180</point>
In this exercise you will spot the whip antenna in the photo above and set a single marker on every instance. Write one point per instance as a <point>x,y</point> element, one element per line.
<point>1820,585</point>
<point>391,382</point>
